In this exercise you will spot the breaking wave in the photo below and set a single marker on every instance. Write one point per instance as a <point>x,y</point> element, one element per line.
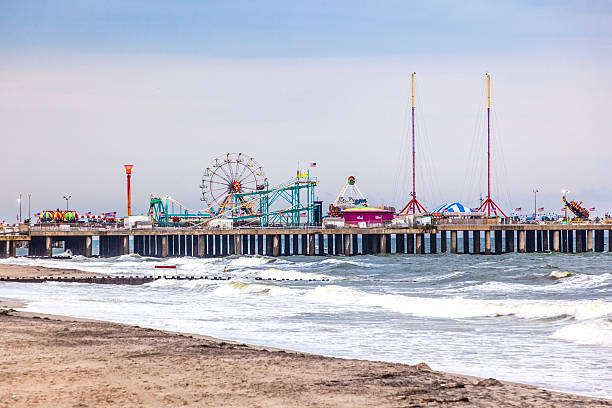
<point>183,284</point>
<point>560,274</point>
<point>273,273</point>
<point>592,332</point>
<point>458,307</point>
<point>237,288</point>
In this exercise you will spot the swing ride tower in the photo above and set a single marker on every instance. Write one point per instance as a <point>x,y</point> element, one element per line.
<point>413,206</point>
<point>489,205</point>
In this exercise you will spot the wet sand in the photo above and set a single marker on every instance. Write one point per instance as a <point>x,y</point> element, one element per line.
<point>60,361</point>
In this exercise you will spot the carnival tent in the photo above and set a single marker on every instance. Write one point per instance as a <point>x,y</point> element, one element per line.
<point>455,208</point>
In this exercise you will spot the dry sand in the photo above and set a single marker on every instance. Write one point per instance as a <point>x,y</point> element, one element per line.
<point>24,271</point>
<point>58,361</point>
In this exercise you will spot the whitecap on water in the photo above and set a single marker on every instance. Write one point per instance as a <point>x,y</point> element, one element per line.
<point>240,288</point>
<point>458,307</point>
<point>560,274</point>
<point>333,261</point>
<point>250,261</point>
<point>593,332</point>
<point>273,273</point>
<point>183,284</point>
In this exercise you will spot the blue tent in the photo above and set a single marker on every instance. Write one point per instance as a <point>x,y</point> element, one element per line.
<point>455,207</point>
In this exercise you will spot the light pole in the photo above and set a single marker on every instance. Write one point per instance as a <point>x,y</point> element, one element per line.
<point>67,198</point>
<point>29,207</point>
<point>128,172</point>
<point>535,203</point>
<point>19,201</point>
<point>565,193</point>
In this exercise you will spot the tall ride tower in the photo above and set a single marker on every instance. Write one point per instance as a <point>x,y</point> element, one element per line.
<point>489,205</point>
<point>413,206</point>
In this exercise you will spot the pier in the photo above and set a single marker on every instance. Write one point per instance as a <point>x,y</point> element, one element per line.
<point>175,242</point>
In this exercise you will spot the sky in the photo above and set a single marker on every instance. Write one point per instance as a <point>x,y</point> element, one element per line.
<point>87,86</point>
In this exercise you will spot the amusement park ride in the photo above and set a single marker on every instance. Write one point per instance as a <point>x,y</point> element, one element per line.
<point>582,214</point>
<point>489,205</point>
<point>234,187</point>
<point>413,205</point>
<point>350,196</point>
<point>69,217</point>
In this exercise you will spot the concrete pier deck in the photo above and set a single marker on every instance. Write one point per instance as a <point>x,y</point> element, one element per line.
<point>457,239</point>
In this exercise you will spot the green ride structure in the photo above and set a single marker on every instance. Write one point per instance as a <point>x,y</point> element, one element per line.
<point>237,193</point>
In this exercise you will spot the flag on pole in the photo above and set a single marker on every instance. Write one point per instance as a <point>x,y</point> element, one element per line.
<point>541,209</point>
<point>518,209</point>
<point>313,164</point>
<point>592,209</point>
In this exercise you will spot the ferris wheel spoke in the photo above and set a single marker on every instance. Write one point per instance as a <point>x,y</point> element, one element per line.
<point>231,173</point>
<point>236,170</point>
<point>248,175</point>
<point>218,192</point>
<point>221,176</point>
<point>245,168</point>
<point>222,186</point>
<point>220,197</point>
<point>225,172</point>
<point>218,182</point>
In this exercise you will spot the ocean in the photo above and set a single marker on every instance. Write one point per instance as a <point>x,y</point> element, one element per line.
<point>543,319</point>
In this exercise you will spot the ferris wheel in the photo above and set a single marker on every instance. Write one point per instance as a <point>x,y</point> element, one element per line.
<point>228,177</point>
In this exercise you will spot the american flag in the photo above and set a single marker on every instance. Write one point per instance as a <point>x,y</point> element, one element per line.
<point>313,164</point>
<point>541,209</point>
<point>518,209</point>
<point>592,209</point>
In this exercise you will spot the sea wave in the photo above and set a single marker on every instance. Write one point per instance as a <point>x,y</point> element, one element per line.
<point>250,261</point>
<point>238,288</point>
<point>274,273</point>
<point>562,281</point>
<point>333,261</point>
<point>592,332</point>
<point>458,307</point>
<point>183,284</point>
<point>560,274</point>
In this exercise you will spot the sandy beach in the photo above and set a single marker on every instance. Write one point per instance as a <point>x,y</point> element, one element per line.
<point>20,271</point>
<point>62,361</point>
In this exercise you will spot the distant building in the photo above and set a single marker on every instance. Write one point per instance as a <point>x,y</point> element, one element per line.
<point>367,216</point>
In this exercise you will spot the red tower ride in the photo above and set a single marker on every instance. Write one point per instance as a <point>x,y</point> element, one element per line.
<point>413,206</point>
<point>489,205</point>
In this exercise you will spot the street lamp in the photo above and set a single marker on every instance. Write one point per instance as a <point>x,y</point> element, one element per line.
<point>535,203</point>
<point>19,201</point>
<point>67,198</point>
<point>128,172</point>
<point>29,207</point>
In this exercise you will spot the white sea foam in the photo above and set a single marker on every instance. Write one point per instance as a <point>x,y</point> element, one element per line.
<point>560,274</point>
<point>334,261</point>
<point>273,273</point>
<point>562,281</point>
<point>238,288</point>
<point>594,332</point>
<point>184,284</point>
<point>250,261</point>
<point>458,307</point>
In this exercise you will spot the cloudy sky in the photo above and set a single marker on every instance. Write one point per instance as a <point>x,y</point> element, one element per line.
<point>86,86</point>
